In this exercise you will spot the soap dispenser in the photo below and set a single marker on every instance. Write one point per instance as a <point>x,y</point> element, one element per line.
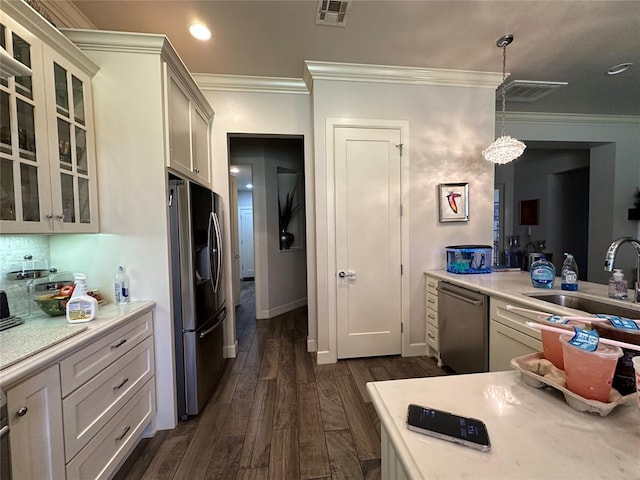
<point>543,273</point>
<point>81,307</point>
<point>569,273</point>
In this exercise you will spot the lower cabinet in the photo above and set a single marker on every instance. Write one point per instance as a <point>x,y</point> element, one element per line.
<point>431,317</point>
<point>35,422</point>
<point>80,418</point>
<point>509,336</point>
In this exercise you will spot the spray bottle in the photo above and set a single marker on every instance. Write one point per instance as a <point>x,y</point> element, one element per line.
<point>81,307</point>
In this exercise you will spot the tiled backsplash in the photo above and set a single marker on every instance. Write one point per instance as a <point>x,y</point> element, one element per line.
<point>13,249</point>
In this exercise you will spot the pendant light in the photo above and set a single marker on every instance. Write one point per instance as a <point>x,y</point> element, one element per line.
<point>504,149</point>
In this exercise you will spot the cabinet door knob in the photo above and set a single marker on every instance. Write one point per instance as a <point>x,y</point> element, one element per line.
<point>49,216</point>
<point>22,411</point>
<point>60,216</point>
<point>197,170</point>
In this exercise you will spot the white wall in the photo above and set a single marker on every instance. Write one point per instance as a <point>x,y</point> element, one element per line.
<point>245,199</point>
<point>449,126</point>
<point>287,112</point>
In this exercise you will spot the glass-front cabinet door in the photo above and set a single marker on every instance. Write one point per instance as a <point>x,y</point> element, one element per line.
<point>47,151</point>
<point>73,166</point>
<point>24,165</point>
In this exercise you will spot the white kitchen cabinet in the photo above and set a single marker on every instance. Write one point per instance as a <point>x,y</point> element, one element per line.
<point>47,154</point>
<point>82,416</point>
<point>509,336</point>
<point>35,420</point>
<point>431,317</point>
<point>189,132</point>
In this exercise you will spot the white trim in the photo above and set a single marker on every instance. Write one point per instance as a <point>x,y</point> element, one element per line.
<point>279,310</point>
<point>230,351</point>
<point>570,119</point>
<point>245,83</point>
<point>331,124</point>
<point>67,12</point>
<point>43,30</point>
<point>142,43</point>
<point>311,345</point>
<point>354,72</point>
<point>326,356</point>
<point>415,350</point>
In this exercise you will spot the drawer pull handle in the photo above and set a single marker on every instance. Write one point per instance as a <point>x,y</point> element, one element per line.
<point>22,411</point>
<point>118,387</point>
<point>432,317</point>
<point>125,431</point>
<point>430,301</point>
<point>120,343</point>
<point>431,336</point>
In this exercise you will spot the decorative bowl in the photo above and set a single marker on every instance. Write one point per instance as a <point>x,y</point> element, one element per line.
<point>53,305</point>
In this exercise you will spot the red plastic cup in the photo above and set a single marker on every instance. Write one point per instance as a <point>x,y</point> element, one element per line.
<point>589,374</point>
<point>551,346</point>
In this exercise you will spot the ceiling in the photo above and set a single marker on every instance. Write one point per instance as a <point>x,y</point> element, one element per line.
<point>567,41</point>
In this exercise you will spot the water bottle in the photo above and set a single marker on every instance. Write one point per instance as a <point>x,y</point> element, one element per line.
<point>121,287</point>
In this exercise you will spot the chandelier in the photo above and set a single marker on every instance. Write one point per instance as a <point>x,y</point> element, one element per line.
<point>504,149</point>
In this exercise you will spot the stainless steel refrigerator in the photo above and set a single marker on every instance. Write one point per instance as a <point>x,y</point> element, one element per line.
<point>198,294</point>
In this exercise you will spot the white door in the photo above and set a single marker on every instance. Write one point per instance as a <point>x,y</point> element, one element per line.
<point>246,243</point>
<point>368,241</point>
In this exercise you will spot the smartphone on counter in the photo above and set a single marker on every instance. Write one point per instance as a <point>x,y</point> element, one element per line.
<point>470,432</point>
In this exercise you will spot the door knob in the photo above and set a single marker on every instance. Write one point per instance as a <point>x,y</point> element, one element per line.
<point>348,275</point>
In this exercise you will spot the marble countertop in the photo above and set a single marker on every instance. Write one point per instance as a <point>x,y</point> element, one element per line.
<point>42,340</point>
<point>534,434</point>
<point>513,286</point>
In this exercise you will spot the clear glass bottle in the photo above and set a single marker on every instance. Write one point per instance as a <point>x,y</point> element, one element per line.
<point>121,287</point>
<point>569,274</point>
<point>618,285</point>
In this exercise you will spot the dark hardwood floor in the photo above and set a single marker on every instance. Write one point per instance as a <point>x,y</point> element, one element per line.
<point>276,414</point>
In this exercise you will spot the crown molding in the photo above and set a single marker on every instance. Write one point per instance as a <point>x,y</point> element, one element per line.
<point>140,43</point>
<point>245,83</point>
<point>571,119</point>
<point>353,72</point>
<point>45,31</point>
<point>67,13</point>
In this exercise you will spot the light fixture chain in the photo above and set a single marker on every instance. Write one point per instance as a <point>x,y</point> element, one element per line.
<point>504,78</point>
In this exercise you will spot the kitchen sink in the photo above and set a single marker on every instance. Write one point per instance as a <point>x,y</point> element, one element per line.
<point>586,305</point>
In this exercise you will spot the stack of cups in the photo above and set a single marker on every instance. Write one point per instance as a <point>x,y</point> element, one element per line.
<point>589,374</point>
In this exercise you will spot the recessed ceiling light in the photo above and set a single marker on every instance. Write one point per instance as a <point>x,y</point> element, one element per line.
<point>248,185</point>
<point>234,170</point>
<point>200,31</point>
<point>616,69</point>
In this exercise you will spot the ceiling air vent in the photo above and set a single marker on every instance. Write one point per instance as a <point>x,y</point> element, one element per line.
<point>527,91</point>
<point>332,12</point>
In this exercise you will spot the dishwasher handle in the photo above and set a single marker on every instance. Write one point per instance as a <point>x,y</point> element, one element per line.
<point>460,297</point>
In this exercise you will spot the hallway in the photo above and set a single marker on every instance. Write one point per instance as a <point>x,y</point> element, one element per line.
<point>277,415</point>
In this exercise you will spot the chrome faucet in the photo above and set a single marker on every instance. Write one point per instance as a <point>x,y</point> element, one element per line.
<point>611,257</point>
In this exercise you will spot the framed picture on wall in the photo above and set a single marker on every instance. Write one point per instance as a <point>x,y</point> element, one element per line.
<point>453,202</point>
<point>529,212</point>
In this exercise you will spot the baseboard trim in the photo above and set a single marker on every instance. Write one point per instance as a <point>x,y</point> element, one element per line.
<point>415,350</point>
<point>274,312</point>
<point>326,357</point>
<point>311,345</point>
<point>230,351</point>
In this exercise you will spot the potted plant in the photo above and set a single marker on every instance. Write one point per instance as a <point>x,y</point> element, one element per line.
<point>286,212</point>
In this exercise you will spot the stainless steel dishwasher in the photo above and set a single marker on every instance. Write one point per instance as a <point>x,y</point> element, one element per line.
<point>463,328</point>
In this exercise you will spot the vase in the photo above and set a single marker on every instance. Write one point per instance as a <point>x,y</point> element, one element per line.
<point>286,240</point>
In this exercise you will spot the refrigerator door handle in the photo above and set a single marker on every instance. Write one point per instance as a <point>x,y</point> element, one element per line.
<point>212,249</point>
<point>216,225</point>
<point>211,329</point>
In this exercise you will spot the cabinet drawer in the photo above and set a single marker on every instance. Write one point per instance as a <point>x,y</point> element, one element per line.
<point>431,301</point>
<point>83,365</point>
<point>431,285</point>
<point>432,317</point>
<point>104,453</point>
<point>506,343</point>
<point>432,337</point>
<point>512,319</point>
<point>91,406</point>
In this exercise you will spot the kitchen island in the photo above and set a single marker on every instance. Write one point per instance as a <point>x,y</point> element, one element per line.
<point>534,433</point>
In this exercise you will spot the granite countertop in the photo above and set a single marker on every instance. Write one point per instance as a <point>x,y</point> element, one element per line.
<point>42,340</point>
<point>534,434</point>
<point>513,286</point>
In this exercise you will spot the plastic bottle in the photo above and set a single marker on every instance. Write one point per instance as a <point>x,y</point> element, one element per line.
<point>569,273</point>
<point>121,287</point>
<point>543,273</point>
<point>81,307</point>
<point>618,285</point>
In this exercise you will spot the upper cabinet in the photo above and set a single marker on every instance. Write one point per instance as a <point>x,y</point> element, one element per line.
<point>189,130</point>
<point>47,155</point>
